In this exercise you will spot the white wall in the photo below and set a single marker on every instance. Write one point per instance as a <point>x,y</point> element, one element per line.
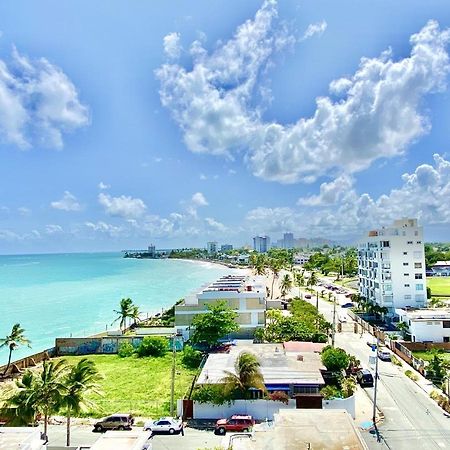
<point>258,409</point>
<point>430,330</point>
<point>341,403</point>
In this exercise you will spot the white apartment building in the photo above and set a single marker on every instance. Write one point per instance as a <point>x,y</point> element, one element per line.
<point>391,266</point>
<point>211,247</point>
<point>244,294</point>
<point>261,244</point>
<point>427,325</point>
<point>301,258</point>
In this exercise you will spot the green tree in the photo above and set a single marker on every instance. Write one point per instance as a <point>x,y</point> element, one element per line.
<point>126,310</point>
<point>215,324</point>
<point>286,285</point>
<point>153,346</point>
<point>81,379</point>
<point>334,359</point>
<point>247,375</point>
<point>437,367</point>
<point>13,341</point>
<point>134,314</point>
<point>403,327</point>
<point>300,282</point>
<point>275,265</point>
<point>312,280</point>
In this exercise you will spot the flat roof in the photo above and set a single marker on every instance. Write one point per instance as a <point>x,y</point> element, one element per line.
<point>12,438</point>
<point>426,314</point>
<point>276,366</point>
<point>122,440</point>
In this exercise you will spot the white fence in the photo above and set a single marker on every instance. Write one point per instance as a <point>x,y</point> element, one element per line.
<point>259,409</point>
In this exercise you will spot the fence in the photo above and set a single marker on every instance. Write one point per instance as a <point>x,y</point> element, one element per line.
<point>366,326</point>
<point>405,353</point>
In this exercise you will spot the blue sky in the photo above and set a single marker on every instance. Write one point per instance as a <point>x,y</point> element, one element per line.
<point>180,122</point>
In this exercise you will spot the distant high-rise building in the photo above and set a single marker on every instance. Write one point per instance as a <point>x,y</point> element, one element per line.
<point>261,244</point>
<point>288,240</point>
<point>391,266</point>
<point>226,247</point>
<point>211,247</point>
<point>152,250</point>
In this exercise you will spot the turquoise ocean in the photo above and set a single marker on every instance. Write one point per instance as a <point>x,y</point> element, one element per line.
<point>62,295</point>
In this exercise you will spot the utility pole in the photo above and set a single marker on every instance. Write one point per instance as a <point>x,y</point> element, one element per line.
<point>334,322</point>
<point>172,385</point>
<point>375,385</point>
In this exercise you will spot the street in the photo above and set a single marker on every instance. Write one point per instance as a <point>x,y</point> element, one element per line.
<point>411,419</point>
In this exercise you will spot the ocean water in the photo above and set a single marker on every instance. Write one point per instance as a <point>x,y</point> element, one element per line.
<point>60,295</point>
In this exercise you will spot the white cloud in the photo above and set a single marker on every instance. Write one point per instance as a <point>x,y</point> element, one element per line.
<point>214,225</point>
<point>68,203</point>
<point>38,103</point>
<point>172,46</point>
<point>23,211</point>
<point>123,206</point>
<point>103,186</point>
<point>203,177</point>
<point>313,29</point>
<point>377,115</point>
<point>53,229</point>
<point>330,192</point>
<point>198,199</point>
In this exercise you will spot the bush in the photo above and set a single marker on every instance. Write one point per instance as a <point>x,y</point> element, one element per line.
<point>335,359</point>
<point>211,393</point>
<point>410,374</point>
<point>279,396</point>
<point>395,361</point>
<point>153,346</point>
<point>191,357</point>
<point>125,350</point>
<point>330,392</point>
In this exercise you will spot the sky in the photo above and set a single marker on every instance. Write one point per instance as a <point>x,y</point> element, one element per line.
<point>176,123</point>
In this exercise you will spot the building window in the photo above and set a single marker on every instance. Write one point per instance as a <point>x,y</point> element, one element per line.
<point>385,244</point>
<point>418,242</point>
<point>405,264</point>
<point>388,287</point>
<point>409,242</point>
<point>417,265</point>
<point>406,285</point>
<point>420,298</point>
<point>446,324</point>
<point>405,253</point>
<point>407,297</point>
<point>418,276</point>
<point>416,233</point>
<point>419,287</point>
<point>406,274</point>
<point>446,338</point>
<point>417,255</point>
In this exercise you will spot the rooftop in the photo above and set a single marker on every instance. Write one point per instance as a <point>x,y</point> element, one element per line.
<point>123,440</point>
<point>425,314</point>
<point>15,438</point>
<point>277,366</point>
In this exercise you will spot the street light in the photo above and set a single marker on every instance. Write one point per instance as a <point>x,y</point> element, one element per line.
<point>375,385</point>
<point>172,384</point>
<point>333,332</point>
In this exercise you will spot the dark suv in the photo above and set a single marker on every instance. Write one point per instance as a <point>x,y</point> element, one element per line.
<point>115,422</point>
<point>234,423</point>
<point>364,378</point>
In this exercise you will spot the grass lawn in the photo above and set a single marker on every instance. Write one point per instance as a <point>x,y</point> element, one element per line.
<point>140,386</point>
<point>439,285</point>
<point>426,356</point>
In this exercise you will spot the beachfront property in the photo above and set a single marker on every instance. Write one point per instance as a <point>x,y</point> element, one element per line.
<point>391,266</point>
<point>441,268</point>
<point>226,248</point>
<point>261,244</point>
<point>427,325</point>
<point>246,294</point>
<point>295,370</point>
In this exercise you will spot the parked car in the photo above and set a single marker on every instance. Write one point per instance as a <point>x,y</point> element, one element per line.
<point>348,305</point>
<point>115,422</point>
<point>164,425</point>
<point>384,354</point>
<point>234,423</point>
<point>307,295</point>
<point>364,378</point>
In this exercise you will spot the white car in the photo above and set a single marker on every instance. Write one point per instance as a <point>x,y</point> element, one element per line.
<point>164,425</point>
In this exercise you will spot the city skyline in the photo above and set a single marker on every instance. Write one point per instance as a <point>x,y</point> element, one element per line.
<point>321,120</point>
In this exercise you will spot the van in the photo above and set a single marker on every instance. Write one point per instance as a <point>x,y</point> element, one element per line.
<point>364,378</point>
<point>115,422</point>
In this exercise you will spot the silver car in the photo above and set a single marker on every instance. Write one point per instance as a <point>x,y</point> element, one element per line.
<point>164,425</point>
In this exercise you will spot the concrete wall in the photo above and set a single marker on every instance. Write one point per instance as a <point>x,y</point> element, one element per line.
<point>259,409</point>
<point>29,361</point>
<point>341,403</point>
<point>428,330</point>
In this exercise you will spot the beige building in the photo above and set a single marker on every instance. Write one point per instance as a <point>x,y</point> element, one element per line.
<point>243,293</point>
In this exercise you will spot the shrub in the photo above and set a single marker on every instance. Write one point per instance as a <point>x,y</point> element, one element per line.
<point>330,392</point>
<point>411,374</point>
<point>211,393</point>
<point>125,350</point>
<point>279,396</point>
<point>153,346</point>
<point>335,359</point>
<point>191,357</point>
<point>395,361</point>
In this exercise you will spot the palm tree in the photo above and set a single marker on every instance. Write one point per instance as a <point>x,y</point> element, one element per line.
<point>300,282</point>
<point>81,380</point>
<point>286,285</point>
<point>247,375</point>
<point>403,327</point>
<point>312,281</point>
<point>13,341</point>
<point>126,310</point>
<point>275,267</point>
<point>134,314</point>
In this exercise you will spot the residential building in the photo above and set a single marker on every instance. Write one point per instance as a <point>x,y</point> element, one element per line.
<point>301,258</point>
<point>441,268</point>
<point>288,240</point>
<point>391,266</point>
<point>261,244</point>
<point>245,294</point>
<point>427,325</point>
<point>226,247</point>
<point>211,247</point>
<point>293,372</point>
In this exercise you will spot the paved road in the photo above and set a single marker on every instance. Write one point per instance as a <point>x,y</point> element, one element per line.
<point>411,419</point>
